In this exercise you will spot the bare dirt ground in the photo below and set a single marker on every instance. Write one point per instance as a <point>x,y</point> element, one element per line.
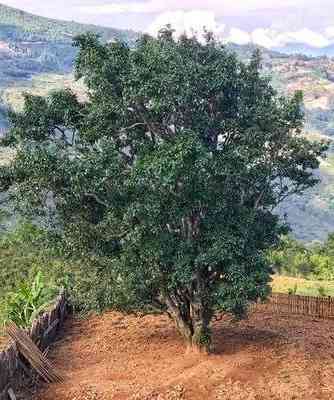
<point>267,357</point>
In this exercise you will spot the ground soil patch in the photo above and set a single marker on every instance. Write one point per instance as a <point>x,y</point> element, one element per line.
<point>119,357</point>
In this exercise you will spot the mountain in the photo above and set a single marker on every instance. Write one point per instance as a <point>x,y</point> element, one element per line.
<point>20,26</point>
<point>305,49</point>
<point>31,45</point>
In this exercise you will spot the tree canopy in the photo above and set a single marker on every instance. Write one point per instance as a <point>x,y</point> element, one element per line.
<point>171,171</point>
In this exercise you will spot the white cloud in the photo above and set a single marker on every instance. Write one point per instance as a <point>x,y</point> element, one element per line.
<point>152,6</point>
<point>189,22</point>
<point>189,16</point>
<point>220,7</point>
<point>238,36</point>
<point>264,37</point>
<point>329,32</point>
<point>271,38</point>
<point>306,36</point>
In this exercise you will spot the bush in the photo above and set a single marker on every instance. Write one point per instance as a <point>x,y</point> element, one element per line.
<point>27,253</point>
<point>295,259</point>
<point>322,291</point>
<point>24,305</point>
<point>293,291</point>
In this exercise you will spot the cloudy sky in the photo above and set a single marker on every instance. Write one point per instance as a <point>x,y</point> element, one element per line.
<point>270,23</point>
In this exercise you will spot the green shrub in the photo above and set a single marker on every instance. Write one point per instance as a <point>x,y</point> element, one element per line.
<point>27,252</point>
<point>23,305</point>
<point>293,258</point>
<point>293,291</point>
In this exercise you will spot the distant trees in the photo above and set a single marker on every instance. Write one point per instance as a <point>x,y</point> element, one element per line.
<point>315,261</point>
<point>180,157</point>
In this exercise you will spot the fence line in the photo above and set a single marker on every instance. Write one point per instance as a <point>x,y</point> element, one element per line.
<point>43,332</point>
<point>320,307</point>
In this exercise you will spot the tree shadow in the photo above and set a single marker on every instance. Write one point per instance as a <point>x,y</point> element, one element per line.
<point>234,339</point>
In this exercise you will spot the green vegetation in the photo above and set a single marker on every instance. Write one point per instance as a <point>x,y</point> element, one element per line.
<point>21,260</point>
<point>23,256</point>
<point>166,177</point>
<point>302,287</point>
<point>28,300</point>
<point>27,251</point>
<point>294,259</point>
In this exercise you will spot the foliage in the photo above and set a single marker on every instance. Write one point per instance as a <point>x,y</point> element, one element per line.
<point>179,158</point>
<point>293,291</point>
<point>24,305</point>
<point>296,259</point>
<point>26,251</point>
<point>19,258</point>
<point>322,291</point>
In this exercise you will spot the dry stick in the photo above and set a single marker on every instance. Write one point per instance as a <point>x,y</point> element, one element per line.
<point>31,352</point>
<point>33,355</point>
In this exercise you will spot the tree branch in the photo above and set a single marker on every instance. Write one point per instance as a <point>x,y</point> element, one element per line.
<point>96,198</point>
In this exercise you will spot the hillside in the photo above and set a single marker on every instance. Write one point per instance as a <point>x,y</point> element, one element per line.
<point>32,45</point>
<point>20,26</point>
<point>311,216</point>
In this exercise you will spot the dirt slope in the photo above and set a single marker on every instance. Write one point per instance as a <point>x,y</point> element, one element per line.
<point>141,358</point>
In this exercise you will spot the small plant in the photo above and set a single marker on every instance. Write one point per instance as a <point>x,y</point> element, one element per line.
<point>322,291</point>
<point>293,291</point>
<point>23,305</point>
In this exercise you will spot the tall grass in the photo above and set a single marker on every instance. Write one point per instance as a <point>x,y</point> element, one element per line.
<point>303,287</point>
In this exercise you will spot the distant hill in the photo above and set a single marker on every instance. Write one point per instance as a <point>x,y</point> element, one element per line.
<point>302,48</point>
<point>312,215</point>
<point>245,51</point>
<point>31,45</point>
<point>17,26</point>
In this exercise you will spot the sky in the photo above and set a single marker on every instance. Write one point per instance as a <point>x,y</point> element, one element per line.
<point>269,23</point>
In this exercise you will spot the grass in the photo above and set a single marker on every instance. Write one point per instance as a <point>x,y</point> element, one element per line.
<point>304,287</point>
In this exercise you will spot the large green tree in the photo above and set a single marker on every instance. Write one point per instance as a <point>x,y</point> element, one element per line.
<point>170,171</point>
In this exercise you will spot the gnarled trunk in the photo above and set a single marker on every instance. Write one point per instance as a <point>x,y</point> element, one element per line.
<point>190,309</point>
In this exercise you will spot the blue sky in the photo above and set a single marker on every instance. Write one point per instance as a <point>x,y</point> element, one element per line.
<point>271,23</point>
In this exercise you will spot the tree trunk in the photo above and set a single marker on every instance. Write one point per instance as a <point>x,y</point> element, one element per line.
<point>192,314</point>
<point>200,315</point>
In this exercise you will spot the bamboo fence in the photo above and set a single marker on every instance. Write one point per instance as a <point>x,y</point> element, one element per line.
<point>28,349</point>
<point>319,307</point>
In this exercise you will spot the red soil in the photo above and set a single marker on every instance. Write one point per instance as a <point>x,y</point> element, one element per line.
<point>118,357</point>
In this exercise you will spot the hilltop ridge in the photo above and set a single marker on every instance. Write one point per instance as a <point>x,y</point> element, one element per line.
<point>31,45</point>
<point>18,25</point>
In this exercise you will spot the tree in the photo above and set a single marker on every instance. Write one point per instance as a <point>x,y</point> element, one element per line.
<point>182,154</point>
